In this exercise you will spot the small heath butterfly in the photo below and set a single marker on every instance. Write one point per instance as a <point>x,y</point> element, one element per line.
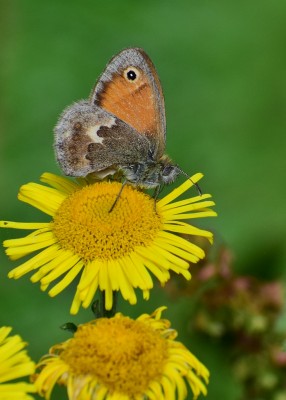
<point>121,128</point>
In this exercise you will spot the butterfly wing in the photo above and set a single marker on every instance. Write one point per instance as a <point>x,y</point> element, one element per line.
<point>130,89</point>
<point>88,140</point>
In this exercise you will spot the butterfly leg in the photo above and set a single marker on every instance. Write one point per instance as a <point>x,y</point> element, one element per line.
<point>117,197</point>
<point>156,193</point>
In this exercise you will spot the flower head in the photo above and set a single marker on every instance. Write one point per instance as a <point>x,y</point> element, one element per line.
<point>14,364</point>
<point>112,251</point>
<point>120,359</point>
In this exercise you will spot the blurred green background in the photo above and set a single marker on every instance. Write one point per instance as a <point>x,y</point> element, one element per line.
<point>222,66</point>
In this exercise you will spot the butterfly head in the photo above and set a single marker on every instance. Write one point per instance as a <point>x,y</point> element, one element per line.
<point>169,171</point>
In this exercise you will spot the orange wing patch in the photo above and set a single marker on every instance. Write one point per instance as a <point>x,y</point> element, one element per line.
<point>132,102</point>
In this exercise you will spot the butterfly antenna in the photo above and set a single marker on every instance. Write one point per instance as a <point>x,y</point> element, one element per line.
<point>194,183</point>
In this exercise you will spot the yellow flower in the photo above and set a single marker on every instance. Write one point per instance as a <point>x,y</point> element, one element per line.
<point>14,364</point>
<point>112,251</point>
<point>120,359</point>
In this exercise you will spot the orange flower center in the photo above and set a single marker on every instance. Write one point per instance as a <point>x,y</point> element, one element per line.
<point>85,225</point>
<point>122,354</point>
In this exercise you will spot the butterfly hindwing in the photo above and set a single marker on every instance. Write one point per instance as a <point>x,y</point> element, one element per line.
<point>88,139</point>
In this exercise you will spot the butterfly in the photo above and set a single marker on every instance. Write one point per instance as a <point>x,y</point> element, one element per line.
<point>121,128</point>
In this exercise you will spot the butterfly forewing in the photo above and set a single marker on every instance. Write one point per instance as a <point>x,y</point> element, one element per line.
<point>130,89</point>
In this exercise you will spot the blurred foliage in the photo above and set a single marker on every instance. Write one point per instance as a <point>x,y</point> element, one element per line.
<point>242,313</point>
<point>222,67</point>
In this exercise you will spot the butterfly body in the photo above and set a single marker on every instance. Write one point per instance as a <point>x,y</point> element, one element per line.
<point>120,128</point>
<point>150,174</point>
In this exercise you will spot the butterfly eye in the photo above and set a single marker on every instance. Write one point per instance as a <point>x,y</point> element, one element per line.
<point>168,169</point>
<point>131,74</point>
